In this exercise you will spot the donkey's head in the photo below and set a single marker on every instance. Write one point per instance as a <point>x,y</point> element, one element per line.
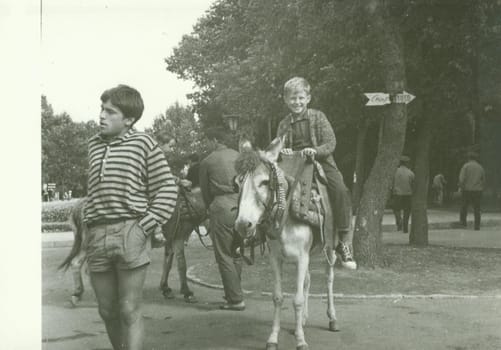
<point>258,182</point>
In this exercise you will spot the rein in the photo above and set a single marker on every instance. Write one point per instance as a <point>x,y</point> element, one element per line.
<point>280,225</point>
<point>276,209</point>
<point>283,196</point>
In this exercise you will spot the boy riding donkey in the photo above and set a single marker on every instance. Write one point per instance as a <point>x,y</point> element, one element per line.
<point>309,131</point>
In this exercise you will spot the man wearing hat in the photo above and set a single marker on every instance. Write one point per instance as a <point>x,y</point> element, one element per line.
<point>471,184</point>
<point>403,184</point>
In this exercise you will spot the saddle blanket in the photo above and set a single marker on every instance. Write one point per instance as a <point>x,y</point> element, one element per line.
<point>310,202</point>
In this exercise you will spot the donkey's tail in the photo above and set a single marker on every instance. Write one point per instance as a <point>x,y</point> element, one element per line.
<point>79,230</point>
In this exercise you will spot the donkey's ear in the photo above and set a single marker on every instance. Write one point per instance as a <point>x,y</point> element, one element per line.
<point>245,146</point>
<point>273,150</point>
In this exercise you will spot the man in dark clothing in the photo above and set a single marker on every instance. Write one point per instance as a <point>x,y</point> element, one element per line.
<point>471,184</point>
<point>217,172</point>
<point>193,169</point>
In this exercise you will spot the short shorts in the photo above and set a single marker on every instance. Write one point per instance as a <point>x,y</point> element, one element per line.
<point>123,245</point>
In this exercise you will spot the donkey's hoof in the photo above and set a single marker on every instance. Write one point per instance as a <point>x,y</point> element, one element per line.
<point>333,326</point>
<point>168,293</point>
<point>75,300</point>
<point>271,346</point>
<point>302,347</point>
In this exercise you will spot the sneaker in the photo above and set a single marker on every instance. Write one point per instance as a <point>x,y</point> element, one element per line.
<point>233,306</point>
<point>346,257</point>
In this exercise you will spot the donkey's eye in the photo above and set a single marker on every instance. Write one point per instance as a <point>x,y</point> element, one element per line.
<point>236,184</point>
<point>264,183</point>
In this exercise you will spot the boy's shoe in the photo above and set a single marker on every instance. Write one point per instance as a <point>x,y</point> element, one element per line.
<point>233,307</point>
<point>346,257</point>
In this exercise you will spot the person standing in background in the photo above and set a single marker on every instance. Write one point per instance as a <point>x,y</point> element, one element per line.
<point>471,185</point>
<point>403,184</point>
<point>438,186</point>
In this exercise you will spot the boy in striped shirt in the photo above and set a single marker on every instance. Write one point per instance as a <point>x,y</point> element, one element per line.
<point>131,193</point>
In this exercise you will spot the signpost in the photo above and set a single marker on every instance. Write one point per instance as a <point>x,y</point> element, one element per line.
<point>377,99</point>
<point>381,98</point>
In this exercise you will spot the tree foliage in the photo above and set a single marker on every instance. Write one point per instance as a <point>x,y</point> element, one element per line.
<point>64,150</point>
<point>178,133</point>
<point>242,51</point>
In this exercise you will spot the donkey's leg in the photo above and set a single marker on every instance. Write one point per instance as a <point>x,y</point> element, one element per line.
<point>331,311</point>
<point>76,270</point>
<point>167,266</point>
<point>276,264</point>
<point>306,295</point>
<point>299,299</point>
<point>185,230</point>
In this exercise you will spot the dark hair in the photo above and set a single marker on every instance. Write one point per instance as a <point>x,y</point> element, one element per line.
<point>127,99</point>
<point>194,157</point>
<point>472,155</point>
<point>217,133</point>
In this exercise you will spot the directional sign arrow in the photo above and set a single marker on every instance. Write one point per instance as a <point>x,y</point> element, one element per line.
<point>377,99</point>
<point>404,97</point>
<point>381,98</point>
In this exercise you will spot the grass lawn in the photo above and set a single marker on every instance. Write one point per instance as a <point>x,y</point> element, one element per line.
<point>431,270</point>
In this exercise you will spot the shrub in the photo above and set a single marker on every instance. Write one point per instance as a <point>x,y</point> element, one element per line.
<point>57,212</point>
<point>56,227</point>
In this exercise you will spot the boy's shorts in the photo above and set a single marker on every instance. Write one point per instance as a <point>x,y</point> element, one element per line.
<point>123,245</point>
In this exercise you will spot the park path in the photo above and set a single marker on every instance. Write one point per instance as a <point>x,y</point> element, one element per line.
<point>366,323</point>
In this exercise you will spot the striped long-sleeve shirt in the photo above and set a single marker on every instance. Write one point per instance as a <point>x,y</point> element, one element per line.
<point>129,177</point>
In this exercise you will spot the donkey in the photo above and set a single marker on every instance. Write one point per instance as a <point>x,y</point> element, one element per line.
<point>189,214</point>
<point>265,198</point>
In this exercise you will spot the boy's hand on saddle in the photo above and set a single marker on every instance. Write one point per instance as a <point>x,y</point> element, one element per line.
<point>287,151</point>
<point>309,152</point>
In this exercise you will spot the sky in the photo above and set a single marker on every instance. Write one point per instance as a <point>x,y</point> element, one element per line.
<point>88,46</point>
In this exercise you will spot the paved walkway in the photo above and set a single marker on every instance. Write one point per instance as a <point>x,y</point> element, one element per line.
<point>390,323</point>
<point>437,220</point>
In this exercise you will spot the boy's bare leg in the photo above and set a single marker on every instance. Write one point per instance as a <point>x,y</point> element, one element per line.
<point>105,285</point>
<point>131,284</point>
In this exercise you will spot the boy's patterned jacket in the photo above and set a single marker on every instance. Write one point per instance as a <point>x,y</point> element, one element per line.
<point>321,134</point>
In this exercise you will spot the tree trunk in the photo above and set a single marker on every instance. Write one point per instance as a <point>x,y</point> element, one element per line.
<point>419,224</point>
<point>475,14</point>
<point>367,242</point>
<point>360,171</point>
